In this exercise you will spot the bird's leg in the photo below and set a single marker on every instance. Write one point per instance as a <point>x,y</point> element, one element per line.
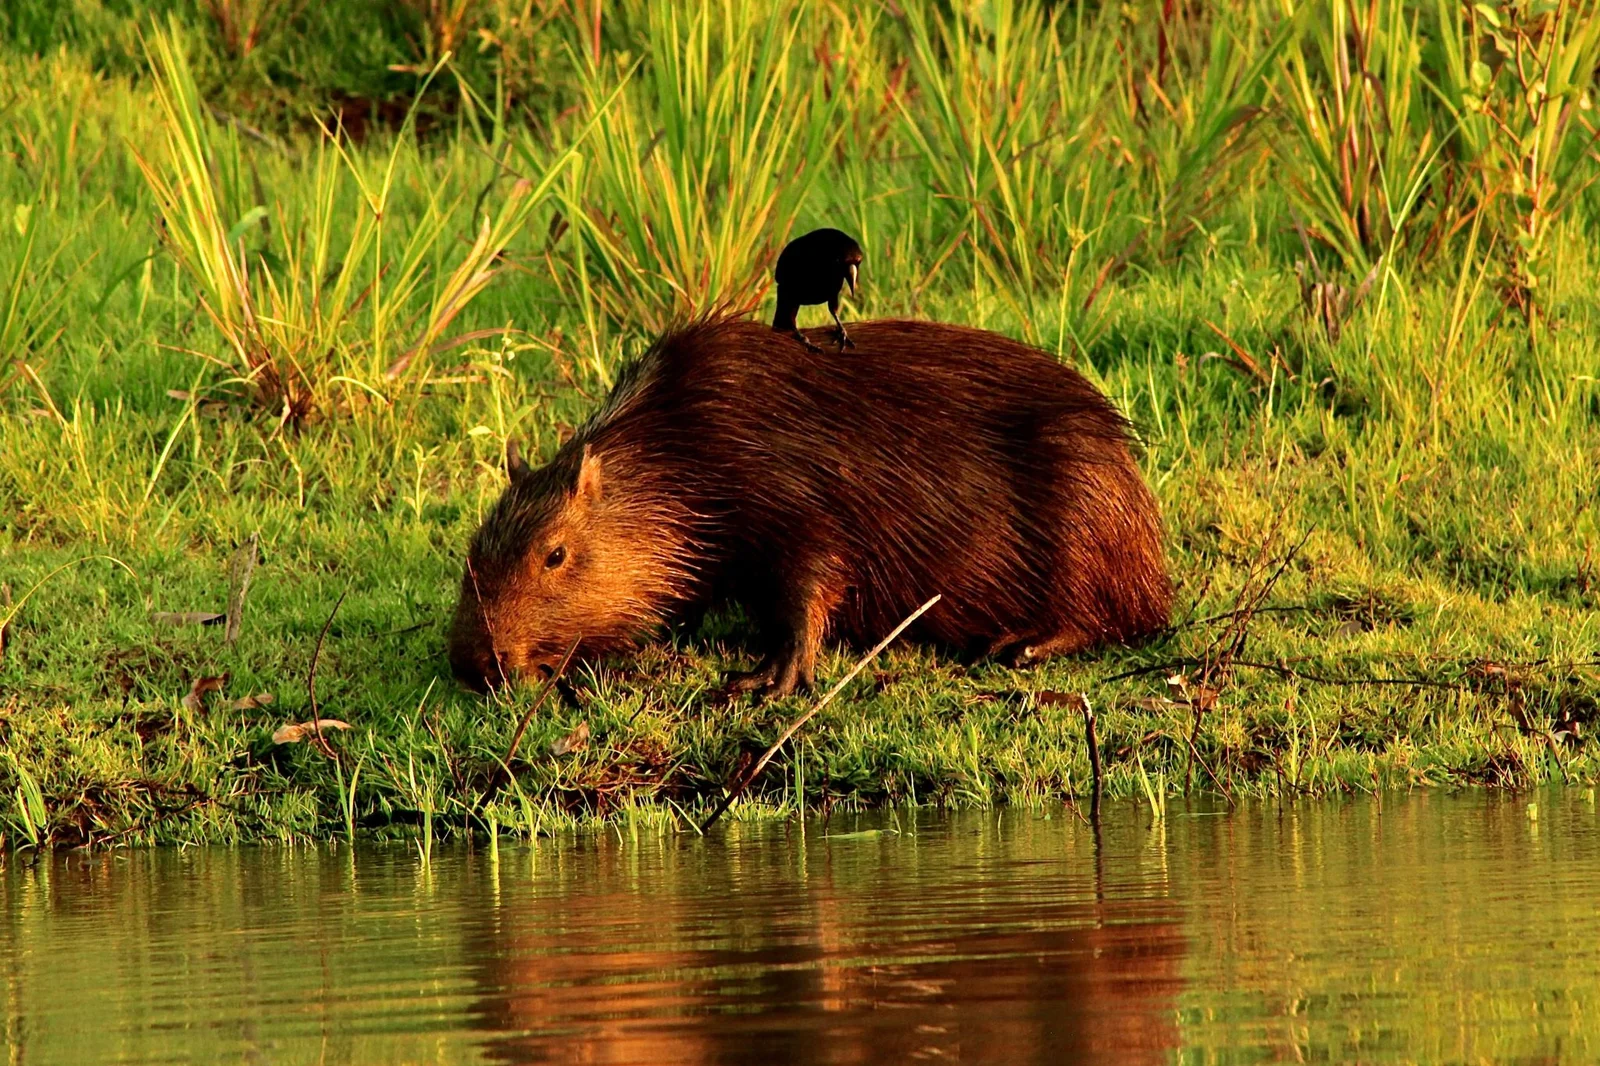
<point>844,338</point>
<point>784,322</point>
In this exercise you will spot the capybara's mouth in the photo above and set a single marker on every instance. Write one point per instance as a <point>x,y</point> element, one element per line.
<point>482,673</point>
<point>471,676</point>
<point>501,671</point>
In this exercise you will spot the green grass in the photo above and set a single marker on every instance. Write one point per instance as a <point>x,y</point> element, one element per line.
<point>1360,355</point>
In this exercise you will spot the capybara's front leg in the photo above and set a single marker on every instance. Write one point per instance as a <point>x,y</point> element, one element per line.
<point>797,625</point>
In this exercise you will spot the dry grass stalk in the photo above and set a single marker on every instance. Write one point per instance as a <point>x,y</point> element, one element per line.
<point>311,678</point>
<point>861,664</point>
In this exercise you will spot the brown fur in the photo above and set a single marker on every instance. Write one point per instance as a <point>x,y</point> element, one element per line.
<point>829,494</point>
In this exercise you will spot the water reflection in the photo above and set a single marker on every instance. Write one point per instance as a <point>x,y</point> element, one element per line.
<point>848,952</point>
<point>1435,928</point>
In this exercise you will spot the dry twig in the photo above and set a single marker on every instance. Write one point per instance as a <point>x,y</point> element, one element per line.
<point>1092,740</point>
<point>538,701</point>
<point>311,677</point>
<point>861,664</point>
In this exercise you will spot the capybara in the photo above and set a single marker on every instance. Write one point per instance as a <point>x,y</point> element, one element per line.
<point>829,495</point>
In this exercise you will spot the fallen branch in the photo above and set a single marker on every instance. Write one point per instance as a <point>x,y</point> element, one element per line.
<point>1287,671</point>
<point>1231,641</point>
<point>761,764</point>
<point>1288,608</point>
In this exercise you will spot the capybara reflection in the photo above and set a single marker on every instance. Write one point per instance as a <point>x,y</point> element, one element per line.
<point>680,955</point>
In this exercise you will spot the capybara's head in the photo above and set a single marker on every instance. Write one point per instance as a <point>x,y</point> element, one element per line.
<point>558,559</point>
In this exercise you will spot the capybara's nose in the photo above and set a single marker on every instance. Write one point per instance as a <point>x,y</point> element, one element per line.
<point>469,677</point>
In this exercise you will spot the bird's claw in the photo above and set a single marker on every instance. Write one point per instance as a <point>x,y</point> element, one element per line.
<point>845,341</point>
<point>812,348</point>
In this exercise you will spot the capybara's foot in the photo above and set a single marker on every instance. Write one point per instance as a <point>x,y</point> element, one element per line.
<point>1021,656</point>
<point>773,679</point>
<point>1026,653</point>
<point>739,682</point>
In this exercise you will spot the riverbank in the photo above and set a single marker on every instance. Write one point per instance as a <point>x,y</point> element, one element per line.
<point>1377,468</point>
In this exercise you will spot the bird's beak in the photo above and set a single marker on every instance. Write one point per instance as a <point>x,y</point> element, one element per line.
<point>850,276</point>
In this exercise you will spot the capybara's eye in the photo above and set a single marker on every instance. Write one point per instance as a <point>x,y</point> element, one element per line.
<point>555,558</point>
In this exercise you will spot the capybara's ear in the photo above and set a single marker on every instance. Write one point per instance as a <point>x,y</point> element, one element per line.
<point>515,466</point>
<point>588,487</point>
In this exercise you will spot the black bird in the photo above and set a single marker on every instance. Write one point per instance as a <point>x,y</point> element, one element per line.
<point>811,270</point>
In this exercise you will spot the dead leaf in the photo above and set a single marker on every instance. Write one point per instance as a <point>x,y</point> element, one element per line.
<point>179,394</point>
<point>147,726</point>
<point>250,703</point>
<point>187,618</point>
<point>201,688</point>
<point>1196,694</point>
<point>294,733</point>
<point>1153,703</point>
<point>576,740</point>
<point>1051,698</point>
<point>240,567</point>
<point>1351,628</point>
<point>5,627</point>
<point>1487,670</point>
<point>1242,360</point>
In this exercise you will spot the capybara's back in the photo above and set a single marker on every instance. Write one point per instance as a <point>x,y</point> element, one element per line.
<point>830,494</point>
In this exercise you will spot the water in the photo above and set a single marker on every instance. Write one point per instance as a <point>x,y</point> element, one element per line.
<point>1433,928</point>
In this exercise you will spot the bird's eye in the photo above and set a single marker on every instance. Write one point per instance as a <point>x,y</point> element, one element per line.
<point>556,557</point>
